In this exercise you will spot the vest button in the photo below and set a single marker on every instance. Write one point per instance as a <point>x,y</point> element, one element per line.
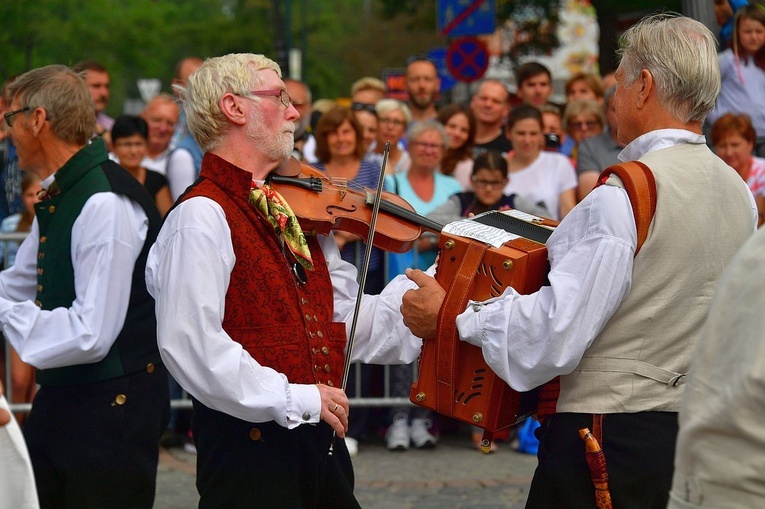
<point>52,209</point>
<point>329,383</point>
<point>311,334</point>
<point>255,433</point>
<point>38,303</point>
<point>303,301</point>
<point>320,334</point>
<point>315,319</point>
<point>306,416</point>
<point>150,367</point>
<point>43,239</point>
<point>327,368</point>
<point>120,399</point>
<point>316,367</point>
<point>314,351</point>
<point>39,288</point>
<point>325,350</point>
<point>307,317</point>
<point>40,272</point>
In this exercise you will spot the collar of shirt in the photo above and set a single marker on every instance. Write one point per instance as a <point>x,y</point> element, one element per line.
<point>657,140</point>
<point>45,184</point>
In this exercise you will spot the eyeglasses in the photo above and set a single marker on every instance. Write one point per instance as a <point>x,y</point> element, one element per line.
<point>424,145</point>
<point>589,124</point>
<point>488,184</point>
<point>393,121</point>
<point>282,94</point>
<point>9,116</point>
<point>364,107</point>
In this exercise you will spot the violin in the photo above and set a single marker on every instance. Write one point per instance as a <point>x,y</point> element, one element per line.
<point>323,204</point>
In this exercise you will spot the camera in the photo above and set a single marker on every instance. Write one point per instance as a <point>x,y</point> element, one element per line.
<point>552,141</point>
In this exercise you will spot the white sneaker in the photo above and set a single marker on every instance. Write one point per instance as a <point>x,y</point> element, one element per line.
<point>352,445</point>
<point>397,436</point>
<point>421,437</point>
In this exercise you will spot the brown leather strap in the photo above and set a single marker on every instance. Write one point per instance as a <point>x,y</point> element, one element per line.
<point>597,427</point>
<point>640,184</point>
<point>457,297</point>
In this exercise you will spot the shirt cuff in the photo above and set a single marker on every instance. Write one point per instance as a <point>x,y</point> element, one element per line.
<point>470,323</point>
<point>305,407</point>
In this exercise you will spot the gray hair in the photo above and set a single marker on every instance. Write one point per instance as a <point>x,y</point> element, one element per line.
<point>384,106</point>
<point>236,73</point>
<point>64,96</point>
<point>681,55</point>
<point>418,128</point>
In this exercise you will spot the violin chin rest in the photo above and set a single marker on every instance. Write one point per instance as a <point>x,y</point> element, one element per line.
<point>290,168</point>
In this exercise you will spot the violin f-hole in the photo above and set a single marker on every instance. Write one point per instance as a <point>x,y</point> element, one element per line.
<point>331,209</point>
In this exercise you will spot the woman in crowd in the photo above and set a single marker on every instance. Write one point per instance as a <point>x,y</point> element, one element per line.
<point>366,115</point>
<point>733,138</point>
<point>23,385</point>
<point>130,135</point>
<point>545,178</point>
<point>340,150</point>
<point>425,188</point>
<point>394,118</point>
<point>584,85</point>
<point>583,119</point>
<point>458,158</point>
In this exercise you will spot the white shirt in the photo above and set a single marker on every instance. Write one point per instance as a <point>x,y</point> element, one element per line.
<point>107,238</point>
<point>530,339</point>
<point>188,273</point>
<point>181,172</point>
<point>544,180</point>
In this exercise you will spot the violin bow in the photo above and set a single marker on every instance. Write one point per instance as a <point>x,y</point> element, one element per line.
<point>362,278</point>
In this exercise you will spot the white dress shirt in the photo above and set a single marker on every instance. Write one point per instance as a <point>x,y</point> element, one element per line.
<point>107,238</point>
<point>188,273</point>
<point>530,339</point>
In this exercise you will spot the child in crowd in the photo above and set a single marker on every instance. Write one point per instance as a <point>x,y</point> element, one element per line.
<point>742,70</point>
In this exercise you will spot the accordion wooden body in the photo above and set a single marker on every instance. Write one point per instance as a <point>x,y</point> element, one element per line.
<point>453,379</point>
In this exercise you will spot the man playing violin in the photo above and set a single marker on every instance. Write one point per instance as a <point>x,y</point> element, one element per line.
<point>618,327</point>
<point>252,312</point>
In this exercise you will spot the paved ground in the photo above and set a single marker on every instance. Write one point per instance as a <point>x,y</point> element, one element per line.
<point>451,476</point>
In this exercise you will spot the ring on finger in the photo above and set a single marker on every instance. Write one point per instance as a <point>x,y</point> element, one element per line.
<point>334,409</point>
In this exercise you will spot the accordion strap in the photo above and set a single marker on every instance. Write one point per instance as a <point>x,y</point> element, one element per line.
<point>638,180</point>
<point>457,296</point>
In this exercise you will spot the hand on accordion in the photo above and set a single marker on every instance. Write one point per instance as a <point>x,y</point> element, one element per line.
<point>420,307</point>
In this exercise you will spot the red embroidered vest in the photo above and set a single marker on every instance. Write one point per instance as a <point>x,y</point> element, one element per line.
<point>282,324</point>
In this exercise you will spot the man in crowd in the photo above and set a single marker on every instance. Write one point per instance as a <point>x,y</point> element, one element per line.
<point>423,85</point>
<point>75,306</point>
<point>305,143</point>
<point>161,115</point>
<point>490,105</point>
<point>619,328</point>
<point>97,78</point>
<point>252,312</point>
<point>534,83</point>
<point>185,161</point>
<point>597,153</point>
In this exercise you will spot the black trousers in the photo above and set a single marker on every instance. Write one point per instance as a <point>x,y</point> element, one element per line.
<point>639,450</point>
<point>90,452</point>
<point>248,465</point>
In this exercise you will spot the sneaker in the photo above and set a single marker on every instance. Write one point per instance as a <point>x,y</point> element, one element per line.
<point>421,437</point>
<point>352,445</point>
<point>397,436</point>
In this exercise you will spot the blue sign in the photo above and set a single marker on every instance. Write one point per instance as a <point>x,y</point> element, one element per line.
<point>438,56</point>
<point>466,17</point>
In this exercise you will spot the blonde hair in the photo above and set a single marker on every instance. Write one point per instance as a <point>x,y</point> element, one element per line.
<point>236,73</point>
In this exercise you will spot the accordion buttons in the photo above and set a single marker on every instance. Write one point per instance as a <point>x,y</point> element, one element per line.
<point>477,307</point>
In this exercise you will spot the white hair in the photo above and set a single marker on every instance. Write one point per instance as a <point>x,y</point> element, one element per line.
<point>217,76</point>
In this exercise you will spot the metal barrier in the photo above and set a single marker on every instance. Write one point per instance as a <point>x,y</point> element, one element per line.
<point>185,402</point>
